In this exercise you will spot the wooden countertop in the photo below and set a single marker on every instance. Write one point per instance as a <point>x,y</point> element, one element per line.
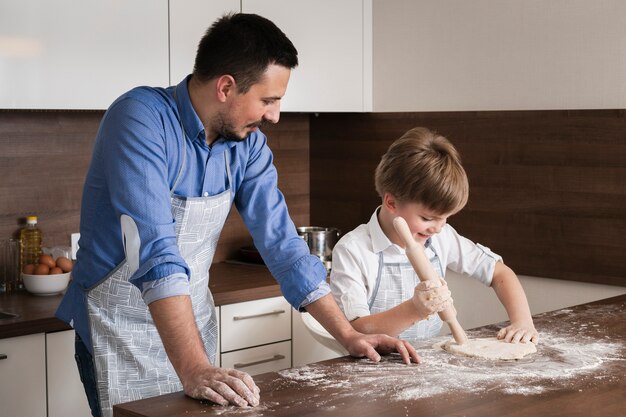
<point>230,283</point>
<point>578,371</point>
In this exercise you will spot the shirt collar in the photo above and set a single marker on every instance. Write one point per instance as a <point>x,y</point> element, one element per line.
<point>380,241</point>
<point>191,122</point>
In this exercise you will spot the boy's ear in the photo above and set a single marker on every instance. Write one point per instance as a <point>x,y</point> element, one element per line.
<point>390,202</point>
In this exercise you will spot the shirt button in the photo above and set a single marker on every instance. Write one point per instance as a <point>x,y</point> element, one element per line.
<point>206,193</point>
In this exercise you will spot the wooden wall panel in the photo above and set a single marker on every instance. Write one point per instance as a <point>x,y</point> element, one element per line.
<point>547,188</point>
<point>43,161</point>
<point>44,156</point>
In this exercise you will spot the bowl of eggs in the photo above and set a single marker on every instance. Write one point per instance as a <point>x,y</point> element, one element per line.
<point>49,276</point>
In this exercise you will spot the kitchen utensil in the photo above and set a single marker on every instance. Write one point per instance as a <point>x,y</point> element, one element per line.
<point>320,240</point>
<point>425,271</point>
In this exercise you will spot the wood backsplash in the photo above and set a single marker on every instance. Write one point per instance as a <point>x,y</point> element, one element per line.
<point>44,156</point>
<point>547,188</point>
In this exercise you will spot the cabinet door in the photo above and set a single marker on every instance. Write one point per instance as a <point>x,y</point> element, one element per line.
<point>66,395</point>
<point>261,359</point>
<point>23,376</point>
<point>329,37</point>
<point>67,54</point>
<point>189,20</point>
<point>254,323</point>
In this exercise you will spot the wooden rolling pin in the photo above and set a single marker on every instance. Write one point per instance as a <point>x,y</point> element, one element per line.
<point>425,271</point>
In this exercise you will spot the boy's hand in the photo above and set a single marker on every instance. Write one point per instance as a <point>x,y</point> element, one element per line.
<point>519,332</point>
<point>431,297</point>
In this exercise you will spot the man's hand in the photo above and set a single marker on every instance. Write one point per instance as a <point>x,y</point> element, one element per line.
<point>519,332</point>
<point>327,313</point>
<point>431,297</point>
<point>222,386</point>
<point>174,319</point>
<point>369,345</point>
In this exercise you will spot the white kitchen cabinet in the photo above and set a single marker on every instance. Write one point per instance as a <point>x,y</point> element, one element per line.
<point>189,20</point>
<point>256,335</point>
<point>498,55</point>
<point>66,395</point>
<point>260,359</point>
<point>254,323</point>
<point>67,54</point>
<point>329,37</point>
<point>23,376</point>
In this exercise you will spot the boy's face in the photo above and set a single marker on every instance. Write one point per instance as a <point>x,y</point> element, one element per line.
<point>422,222</point>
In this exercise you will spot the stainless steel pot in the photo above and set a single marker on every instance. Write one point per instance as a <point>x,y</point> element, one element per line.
<point>321,240</point>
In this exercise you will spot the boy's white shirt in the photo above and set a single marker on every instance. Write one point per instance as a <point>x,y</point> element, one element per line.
<point>356,255</point>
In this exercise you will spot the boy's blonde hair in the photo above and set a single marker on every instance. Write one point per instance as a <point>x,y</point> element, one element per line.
<point>425,168</point>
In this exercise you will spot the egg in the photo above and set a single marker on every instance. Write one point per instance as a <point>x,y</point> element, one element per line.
<point>56,270</point>
<point>47,260</point>
<point>28,269</point>
<point>41,269</point>
<point>65,264</point>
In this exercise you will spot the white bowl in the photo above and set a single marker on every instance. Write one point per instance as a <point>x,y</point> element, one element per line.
<point>320,334</point>
<point>46,284</point>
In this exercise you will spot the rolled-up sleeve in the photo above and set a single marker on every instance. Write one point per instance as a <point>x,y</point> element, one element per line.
<point>348,282</point>
<point>467,257</point>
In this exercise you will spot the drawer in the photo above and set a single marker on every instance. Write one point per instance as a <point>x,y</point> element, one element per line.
<point>254,323</point>
<point>260,359</point>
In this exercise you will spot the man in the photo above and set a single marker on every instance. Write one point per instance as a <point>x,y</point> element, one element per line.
<point>167,166</point>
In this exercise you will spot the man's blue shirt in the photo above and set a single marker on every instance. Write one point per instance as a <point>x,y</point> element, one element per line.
<point>138,154</point>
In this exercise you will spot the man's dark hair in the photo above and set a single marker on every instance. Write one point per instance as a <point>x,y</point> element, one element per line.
<point>243,45</point>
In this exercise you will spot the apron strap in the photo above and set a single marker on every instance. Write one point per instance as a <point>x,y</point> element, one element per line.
<point>378,279</point>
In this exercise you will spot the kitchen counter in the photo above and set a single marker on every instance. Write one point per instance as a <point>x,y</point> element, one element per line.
<point>230,283</point>
<point>579,370</point>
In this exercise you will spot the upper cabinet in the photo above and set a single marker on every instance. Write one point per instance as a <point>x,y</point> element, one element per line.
<point>329,37</point>
<point>67,54</point>
<point>189,20</point>
<point>498,55</point>
<point>355,55</point>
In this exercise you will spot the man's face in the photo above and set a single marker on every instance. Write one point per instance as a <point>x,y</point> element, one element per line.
<point>245,113</point>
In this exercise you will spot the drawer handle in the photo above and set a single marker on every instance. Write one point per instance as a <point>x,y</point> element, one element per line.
<point>253,316</point>
<point>3,356</point>
<point>272,359</point>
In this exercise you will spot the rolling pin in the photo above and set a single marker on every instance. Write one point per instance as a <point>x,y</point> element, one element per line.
<point>425,271</point>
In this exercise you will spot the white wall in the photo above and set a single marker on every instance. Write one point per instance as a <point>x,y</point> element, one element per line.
<point>478,305</point>
<point>458,55</point>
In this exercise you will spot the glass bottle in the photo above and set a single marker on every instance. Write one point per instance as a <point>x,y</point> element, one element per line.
<point>30,242</point>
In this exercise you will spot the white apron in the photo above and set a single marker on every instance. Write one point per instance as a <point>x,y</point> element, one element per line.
<point>395,284</point>
<point>129,357</point>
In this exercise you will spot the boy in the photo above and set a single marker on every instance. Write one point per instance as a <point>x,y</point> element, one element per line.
<point>421,179</point>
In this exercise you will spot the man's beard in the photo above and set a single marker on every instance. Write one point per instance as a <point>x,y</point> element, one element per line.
<point>226,129</point>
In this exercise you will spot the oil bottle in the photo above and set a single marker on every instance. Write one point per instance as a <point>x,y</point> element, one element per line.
<point>30,242</point>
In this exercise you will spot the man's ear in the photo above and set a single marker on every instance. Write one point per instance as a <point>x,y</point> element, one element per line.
<point>390,203</point>
<point>224,87</point>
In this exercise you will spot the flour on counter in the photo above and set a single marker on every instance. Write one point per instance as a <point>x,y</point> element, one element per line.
<point>574,353</point>
<point>564,359</point>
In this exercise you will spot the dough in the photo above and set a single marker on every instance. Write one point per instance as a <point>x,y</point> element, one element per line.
<point>488,348</point>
